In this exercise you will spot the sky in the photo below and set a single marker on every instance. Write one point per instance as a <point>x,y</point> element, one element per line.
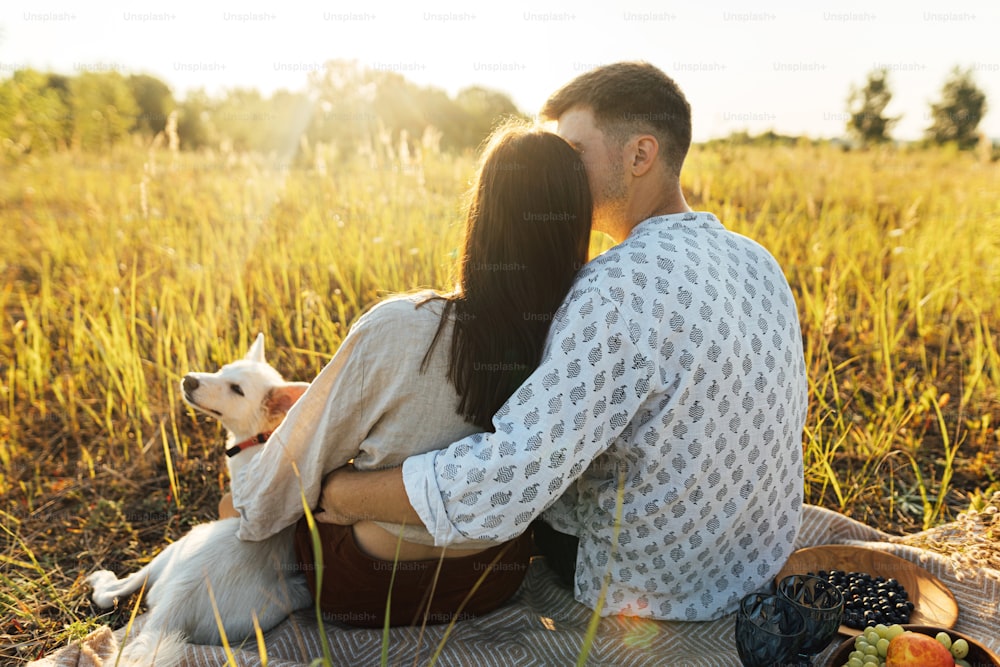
<point>786,66</point>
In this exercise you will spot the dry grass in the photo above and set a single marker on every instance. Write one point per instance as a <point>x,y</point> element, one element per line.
<point>120,273</point>
<point>971,542</point>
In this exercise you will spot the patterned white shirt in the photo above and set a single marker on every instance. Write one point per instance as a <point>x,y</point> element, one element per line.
<point>674,379</point>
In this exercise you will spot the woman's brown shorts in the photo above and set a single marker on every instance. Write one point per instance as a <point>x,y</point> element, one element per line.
<point>355,586</point>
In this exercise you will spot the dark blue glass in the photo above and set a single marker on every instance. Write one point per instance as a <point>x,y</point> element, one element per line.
<point>769,631</point>
<point>821,606</point>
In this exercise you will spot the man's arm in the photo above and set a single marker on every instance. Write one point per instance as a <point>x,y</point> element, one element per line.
<point>490,486</point>
<point>350,496</point>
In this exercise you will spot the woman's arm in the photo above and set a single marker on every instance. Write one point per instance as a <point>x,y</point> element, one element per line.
<point>226,509</point>
<point>321,432</point>
<point>490,486</point>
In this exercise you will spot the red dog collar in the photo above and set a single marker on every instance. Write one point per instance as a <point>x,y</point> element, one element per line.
<point>258,439</point>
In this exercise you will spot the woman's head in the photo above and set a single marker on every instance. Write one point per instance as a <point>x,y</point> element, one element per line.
<point>528,224</point>
<point>527,234</point>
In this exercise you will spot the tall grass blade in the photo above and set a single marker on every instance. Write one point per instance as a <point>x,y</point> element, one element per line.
<point>230,659</point>
<point>131,620</point>
<point>595,616</point>
<point>317,548</point>
<point>384,658</point>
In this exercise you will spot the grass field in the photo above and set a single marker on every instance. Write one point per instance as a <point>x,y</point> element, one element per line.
<point>120,273</point>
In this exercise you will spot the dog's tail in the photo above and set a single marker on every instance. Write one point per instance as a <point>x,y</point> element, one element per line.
<point>154,649</point>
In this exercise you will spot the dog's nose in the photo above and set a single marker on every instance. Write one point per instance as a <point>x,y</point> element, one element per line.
<point>190,383</point>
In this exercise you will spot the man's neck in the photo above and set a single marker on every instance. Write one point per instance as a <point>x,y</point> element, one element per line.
<point>674,204</point>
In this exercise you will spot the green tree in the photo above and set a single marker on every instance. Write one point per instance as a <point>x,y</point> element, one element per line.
<point>291,112</point>
<point>194,123</point>
<point>357,105</point>
<point>399,105</point>
<point>344,92</point>
<point>446,117</point>
<point>962,106</point>
<point>155,102</point>
<point>60,84</point>
<point>103,109</point>
<point>866,106</point>
<point>240,118</point>
<point>484,108</point>
<point>32,114</point>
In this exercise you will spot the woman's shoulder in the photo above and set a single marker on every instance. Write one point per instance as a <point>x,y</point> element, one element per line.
<point>406,309</point>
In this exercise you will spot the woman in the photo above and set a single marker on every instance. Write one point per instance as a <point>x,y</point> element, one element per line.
<point>420,371</point>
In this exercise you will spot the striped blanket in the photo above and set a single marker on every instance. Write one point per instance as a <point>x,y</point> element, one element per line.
<point>543,625</point>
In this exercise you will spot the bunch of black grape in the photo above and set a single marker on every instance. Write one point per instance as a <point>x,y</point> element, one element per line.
<point>869,600</point>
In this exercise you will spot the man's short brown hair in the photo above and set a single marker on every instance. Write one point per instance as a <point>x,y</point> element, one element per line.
<point>629,98</point>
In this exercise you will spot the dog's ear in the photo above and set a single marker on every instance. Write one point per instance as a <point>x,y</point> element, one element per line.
<point>280,399</point>
<point>256,352</point>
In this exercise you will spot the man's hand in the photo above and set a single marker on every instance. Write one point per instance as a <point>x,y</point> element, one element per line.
<point>333,506</point>
<point>350,496</point>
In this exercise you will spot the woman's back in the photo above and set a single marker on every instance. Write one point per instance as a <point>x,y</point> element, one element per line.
<point>377,402</point>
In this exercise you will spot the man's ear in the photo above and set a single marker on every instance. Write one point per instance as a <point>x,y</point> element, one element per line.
<point>281,399</point>
<point>645,150</point>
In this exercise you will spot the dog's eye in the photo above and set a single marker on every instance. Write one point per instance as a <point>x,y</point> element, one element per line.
<point>236,389</point>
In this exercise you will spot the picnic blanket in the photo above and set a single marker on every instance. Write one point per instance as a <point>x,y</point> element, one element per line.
<point>544,625</point>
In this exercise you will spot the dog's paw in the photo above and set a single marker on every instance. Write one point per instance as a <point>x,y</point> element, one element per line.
<point>101,581</point>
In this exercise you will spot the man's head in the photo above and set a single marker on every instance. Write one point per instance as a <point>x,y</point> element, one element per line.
<point>630,121</point>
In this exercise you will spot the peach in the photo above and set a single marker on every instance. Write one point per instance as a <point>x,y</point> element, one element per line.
<point>912,649</point>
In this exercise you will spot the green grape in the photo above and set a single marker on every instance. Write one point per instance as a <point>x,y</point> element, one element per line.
<point>871,650</point>
<point>854,662</point>
<point>962,663</point>
<point>860,655</point>
<point>871,660</point>
<point>960,648</point>
<point>894,631</point>
<point>944,638</point>
<point>882,646</point>
<point>881,629</point>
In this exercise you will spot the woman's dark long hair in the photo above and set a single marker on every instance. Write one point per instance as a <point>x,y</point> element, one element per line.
<point>527,234</point>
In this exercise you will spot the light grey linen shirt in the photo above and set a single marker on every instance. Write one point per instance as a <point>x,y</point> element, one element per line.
<point>371,403</point>
<point>674,379</point>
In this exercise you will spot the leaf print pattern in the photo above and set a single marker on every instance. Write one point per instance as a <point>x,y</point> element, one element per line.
<point>675,368</point>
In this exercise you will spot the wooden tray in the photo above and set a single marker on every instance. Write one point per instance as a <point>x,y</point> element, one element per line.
<point>979,655</point>
<point>933,603</point>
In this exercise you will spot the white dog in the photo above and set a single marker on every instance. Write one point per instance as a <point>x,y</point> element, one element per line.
<point>250,399</point>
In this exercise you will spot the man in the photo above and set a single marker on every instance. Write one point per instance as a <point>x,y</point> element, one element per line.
<point>663,428</point>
